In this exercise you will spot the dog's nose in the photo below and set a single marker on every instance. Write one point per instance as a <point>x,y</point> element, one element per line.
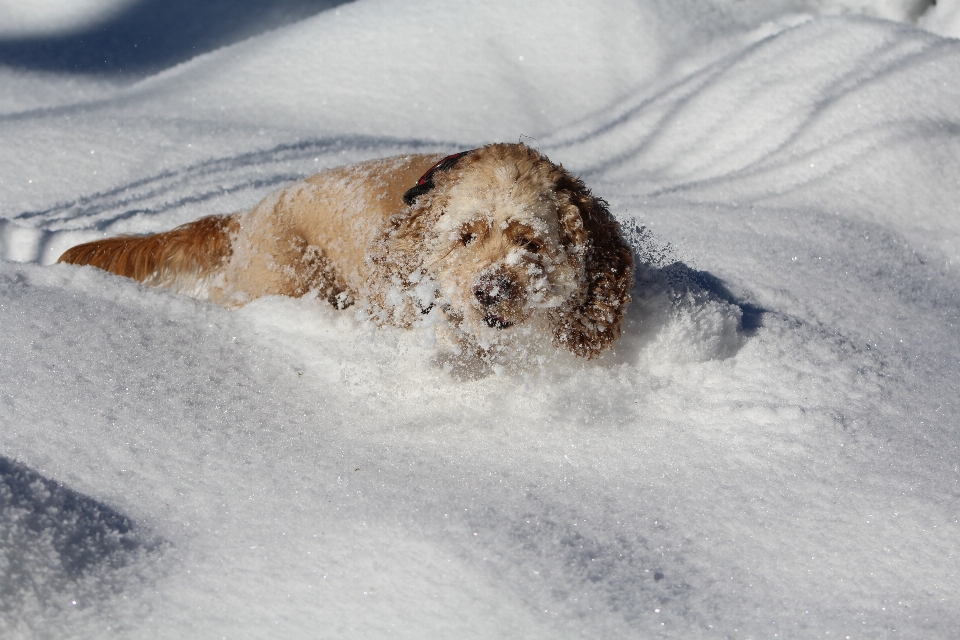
<point>490,290</point>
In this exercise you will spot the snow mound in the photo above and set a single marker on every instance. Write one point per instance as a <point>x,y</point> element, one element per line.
<point>771,447</point>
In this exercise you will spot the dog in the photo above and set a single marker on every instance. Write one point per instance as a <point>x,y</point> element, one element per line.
<point>484,242</point>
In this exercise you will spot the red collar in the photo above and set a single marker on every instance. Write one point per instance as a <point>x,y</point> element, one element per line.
<point>425,183</point>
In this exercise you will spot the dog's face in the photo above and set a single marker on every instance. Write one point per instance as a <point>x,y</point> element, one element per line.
<point>496,252</point>
<point>505,243</point>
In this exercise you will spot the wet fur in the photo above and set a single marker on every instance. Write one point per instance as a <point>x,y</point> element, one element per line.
<point>504,239</point>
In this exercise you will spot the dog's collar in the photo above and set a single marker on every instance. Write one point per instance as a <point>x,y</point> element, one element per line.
<point>425,183</point>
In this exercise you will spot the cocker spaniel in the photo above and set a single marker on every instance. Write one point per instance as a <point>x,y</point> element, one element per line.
<point>484,243</point>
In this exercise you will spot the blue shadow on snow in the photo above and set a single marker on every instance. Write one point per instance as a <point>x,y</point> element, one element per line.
<point>653,268</point>
<point>42,518</point>
<point>688,278</point>
<point>151,35</point>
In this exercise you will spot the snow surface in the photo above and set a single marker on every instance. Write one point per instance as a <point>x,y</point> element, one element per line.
<point>770,451</point>
<point>44,17</point>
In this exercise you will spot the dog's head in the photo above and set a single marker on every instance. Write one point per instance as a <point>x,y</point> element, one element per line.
<point>506,239</point>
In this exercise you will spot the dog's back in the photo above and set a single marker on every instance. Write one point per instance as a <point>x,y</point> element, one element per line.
<point>311,235</point>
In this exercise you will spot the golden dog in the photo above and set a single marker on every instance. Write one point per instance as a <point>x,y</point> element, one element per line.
<point>484,242</point>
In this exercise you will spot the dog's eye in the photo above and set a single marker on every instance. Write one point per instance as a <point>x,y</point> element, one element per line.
<point>530,245</point>
<point>468,238</point>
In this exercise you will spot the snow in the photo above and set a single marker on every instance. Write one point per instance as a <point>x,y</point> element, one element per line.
<point>942,18</point>
<point>47,17</point>
<point>770,451</point>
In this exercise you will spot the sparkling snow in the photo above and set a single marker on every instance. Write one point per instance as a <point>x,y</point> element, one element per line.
<point>770,451</point>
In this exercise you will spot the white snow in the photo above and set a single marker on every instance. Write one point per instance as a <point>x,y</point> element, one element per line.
<point>770,451</point>
<point>48,17</point>
<point>942,18</point>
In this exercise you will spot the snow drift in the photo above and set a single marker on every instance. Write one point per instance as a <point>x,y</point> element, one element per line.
<point>770,451</point>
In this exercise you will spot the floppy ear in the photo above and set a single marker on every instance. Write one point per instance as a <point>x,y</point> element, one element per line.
<point>591,320</point>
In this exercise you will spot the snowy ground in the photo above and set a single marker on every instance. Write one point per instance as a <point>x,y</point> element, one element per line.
<point>771,451</point>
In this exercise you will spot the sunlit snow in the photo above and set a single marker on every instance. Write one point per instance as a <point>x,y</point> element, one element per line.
<point>770,451</point>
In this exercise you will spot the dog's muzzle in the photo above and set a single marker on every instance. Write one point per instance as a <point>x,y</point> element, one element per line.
<point>496,322</point>
<point>492,289</point>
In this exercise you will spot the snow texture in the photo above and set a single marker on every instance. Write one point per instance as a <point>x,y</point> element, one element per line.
<point>771,450</point>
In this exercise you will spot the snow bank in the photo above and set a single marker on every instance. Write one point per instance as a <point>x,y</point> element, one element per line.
<point>770,451</point>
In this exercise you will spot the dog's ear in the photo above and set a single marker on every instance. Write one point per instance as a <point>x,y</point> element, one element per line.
<point>591,320</point>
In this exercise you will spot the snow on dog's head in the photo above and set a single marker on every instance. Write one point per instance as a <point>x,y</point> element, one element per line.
<point>505,244</point>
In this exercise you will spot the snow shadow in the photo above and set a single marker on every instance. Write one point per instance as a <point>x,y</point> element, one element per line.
<point>681,277</point>
<point>256,171</point>
<point>679,313</point>
<point>173,196</point>
<point>152,35</point>
<point>54,540</point>
<point>604,565</point>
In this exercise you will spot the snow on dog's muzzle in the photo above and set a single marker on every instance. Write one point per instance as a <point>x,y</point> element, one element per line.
<point>491,290</point>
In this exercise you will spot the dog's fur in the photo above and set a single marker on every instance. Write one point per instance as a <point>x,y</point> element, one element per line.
<point>505,238</point>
